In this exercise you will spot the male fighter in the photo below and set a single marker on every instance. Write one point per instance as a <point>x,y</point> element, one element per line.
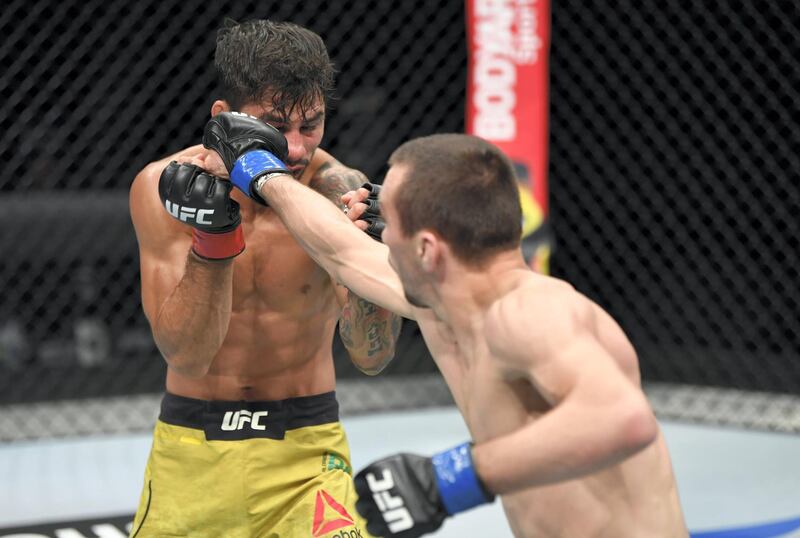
<point>248,441</point>
<point>546,380</point>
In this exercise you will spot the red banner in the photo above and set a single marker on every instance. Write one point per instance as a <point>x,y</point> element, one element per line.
<point>507,100</point>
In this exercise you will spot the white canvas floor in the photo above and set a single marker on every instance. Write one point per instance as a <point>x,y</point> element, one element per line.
<point>727,478</point>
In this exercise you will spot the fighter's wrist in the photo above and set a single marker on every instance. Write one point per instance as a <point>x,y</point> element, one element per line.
<point>262,180</point>
<point>253,165</point>
<point>460,487</point>
<point>210,246</point>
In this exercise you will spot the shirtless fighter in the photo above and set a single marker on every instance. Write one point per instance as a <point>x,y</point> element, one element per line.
<point>546,380</point>
<point>248,441</point>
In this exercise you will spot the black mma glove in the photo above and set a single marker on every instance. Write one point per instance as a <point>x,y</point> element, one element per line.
<point>405,495</point>
<point>249,148</point>
<point>203,201</point>
<point>372,215</point>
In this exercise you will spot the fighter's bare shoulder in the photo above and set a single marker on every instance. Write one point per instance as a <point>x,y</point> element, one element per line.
<point>331,178</point>
<point>152,223</point>
<point>146,181</point>
<point>531,323</point>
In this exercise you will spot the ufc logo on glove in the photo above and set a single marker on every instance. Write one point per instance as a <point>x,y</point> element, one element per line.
<point>406,495</point>
<point>394,511</point>
<point>186,214</point>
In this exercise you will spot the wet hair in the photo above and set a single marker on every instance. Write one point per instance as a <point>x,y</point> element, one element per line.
<point>464,189</point>
<point>281,61</point>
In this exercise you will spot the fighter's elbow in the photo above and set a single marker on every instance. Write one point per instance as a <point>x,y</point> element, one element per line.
<point>639,427</point>
<point>188,369</point>
<point>192,367</point>
<point>374,365</point>
<point>370,370</point>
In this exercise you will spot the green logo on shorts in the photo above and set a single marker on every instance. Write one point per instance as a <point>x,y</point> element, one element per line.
<point>331,462</point>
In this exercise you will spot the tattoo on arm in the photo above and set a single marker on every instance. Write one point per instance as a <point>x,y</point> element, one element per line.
<point>367,330</point>
<point>332,180</point>
<point>375,327</point>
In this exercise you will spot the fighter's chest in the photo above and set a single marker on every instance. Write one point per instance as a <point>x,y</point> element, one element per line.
<point>274,268</point>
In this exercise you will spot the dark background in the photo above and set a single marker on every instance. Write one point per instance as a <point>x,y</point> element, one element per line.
<point>673,174</point>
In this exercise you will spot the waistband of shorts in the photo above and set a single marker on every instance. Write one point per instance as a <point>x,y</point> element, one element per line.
<point>293,413</point>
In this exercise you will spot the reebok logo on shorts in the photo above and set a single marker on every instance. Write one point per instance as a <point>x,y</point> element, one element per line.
<point>329,516</point>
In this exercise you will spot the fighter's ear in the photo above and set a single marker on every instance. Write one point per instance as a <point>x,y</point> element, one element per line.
<point>429,250</point>
<point>219,106</point>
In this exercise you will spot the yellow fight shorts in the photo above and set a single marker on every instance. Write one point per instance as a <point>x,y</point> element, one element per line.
<point>249,470</point>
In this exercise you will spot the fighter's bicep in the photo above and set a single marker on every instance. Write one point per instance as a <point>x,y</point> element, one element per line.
<point>558,366</point>
<point>543,340</point>
<point>579,366</point>
<point>553,372</point>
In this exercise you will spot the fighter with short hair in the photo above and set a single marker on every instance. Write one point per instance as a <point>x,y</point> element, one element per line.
<point>546,380</point>
<point>248,442</point>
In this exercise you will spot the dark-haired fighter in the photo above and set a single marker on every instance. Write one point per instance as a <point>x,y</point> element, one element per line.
<point>546,380</point>
<point>248,441</point>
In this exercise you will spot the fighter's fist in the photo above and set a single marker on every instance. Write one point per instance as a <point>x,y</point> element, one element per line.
<point>249,148</point>
<point>364,207</point>
<point>203,202</point>
<point>398,497</point>
<point>406,495</point>
<point>232,134</point>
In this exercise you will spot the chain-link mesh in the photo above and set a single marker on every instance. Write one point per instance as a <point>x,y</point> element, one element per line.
<point>138,413</point>
<point>674,159</point>
<point>92,91</point>
<point>675,183</point>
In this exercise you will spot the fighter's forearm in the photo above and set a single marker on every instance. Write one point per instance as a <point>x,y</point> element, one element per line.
<point>193,321</point>
<point>369,333</point>
<point>349,255</point>
<point>573,440</point>
<point>325,235</point>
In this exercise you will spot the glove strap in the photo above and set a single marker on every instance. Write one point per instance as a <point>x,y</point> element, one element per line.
<point>253,164</point>
<point>459,486</point>
<point>218,246</point>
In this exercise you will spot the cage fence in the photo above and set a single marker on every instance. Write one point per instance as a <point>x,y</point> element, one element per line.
<point>673,177</point>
